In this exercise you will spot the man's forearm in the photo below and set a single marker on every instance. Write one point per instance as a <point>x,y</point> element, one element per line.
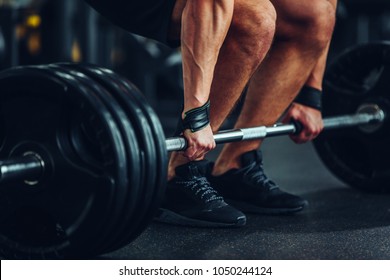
<point>205,24</point>
<point>316,76</point>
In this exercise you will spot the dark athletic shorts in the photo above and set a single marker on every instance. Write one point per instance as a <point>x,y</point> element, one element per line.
<point>148,18</point>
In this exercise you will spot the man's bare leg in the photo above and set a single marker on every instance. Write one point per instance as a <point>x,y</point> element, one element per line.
<point>247,42</point>
<point>303,32</point>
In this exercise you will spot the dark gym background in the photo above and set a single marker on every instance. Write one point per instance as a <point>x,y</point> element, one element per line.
<point>341,223</point>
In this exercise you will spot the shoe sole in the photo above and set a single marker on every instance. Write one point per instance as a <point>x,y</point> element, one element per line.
<point>251,209</point>
<point>168,217</point>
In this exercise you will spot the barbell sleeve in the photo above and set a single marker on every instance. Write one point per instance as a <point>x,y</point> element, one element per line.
<point>353,120</point>
<point>28,168</point>
<point>243,134</point>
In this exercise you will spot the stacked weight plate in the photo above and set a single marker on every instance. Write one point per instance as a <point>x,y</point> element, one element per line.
<point>359,157</point>
<point>144,197</point>
<point>105,161</point>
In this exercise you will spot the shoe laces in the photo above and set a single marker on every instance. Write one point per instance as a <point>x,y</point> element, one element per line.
<point>201,188</point>
<point>254,175</point>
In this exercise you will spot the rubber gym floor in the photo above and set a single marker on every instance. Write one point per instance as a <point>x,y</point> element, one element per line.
<point>340,222</point>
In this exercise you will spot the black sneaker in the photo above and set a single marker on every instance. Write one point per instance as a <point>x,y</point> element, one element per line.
<point>251,191</point>
<point>191,201</point>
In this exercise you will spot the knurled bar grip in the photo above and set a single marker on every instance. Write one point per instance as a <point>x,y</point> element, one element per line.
<point>236,135</point>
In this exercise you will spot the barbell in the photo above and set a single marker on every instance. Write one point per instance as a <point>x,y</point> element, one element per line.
<point>85,157</point>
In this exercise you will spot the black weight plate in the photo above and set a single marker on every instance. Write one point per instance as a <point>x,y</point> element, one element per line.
<point>114,228</point>
<point>145,136</point>
<point>60,216</point>
<point>135,156</point>
<point>359,76</point>
<point>161,167</point>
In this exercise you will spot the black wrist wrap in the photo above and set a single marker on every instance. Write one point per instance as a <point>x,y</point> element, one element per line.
<point>194,119</point>
<point>310,97</point>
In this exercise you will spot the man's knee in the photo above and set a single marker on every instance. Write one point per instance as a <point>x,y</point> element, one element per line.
<point>309,22</point>
<point>253,25</point>
<point>321,22</point>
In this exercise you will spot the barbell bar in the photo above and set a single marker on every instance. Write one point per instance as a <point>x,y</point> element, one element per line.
<point>31,167</point>
<point>367,115</point>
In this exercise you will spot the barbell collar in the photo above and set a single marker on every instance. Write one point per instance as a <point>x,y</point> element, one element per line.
<point>28,168</point>
<point>236,135</point>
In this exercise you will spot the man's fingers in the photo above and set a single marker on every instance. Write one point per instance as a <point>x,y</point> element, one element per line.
<point>199,143</point>
<point>309,133</point>
<point>194,151</point>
